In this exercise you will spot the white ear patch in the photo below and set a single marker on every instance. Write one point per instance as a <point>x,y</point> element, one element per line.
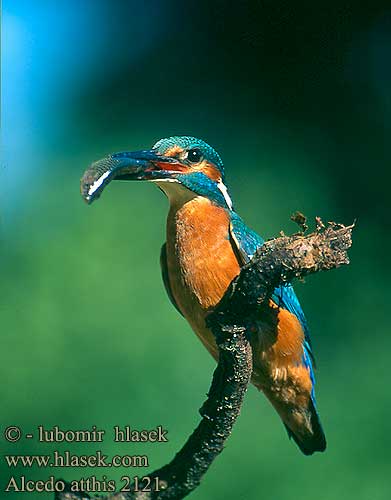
<point>97,184</point>
<point>224,191</point>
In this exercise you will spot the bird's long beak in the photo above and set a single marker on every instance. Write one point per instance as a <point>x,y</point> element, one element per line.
<point>134,166</point>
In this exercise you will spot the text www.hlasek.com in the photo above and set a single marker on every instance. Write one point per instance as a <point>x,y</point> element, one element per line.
<point>67,459</point>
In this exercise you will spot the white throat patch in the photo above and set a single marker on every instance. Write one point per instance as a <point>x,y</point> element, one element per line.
<point>177,193</point>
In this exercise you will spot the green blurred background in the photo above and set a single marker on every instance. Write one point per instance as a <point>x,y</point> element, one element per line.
<point>296,97</point>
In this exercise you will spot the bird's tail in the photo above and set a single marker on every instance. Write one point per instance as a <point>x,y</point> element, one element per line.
<point>310,438</point>
<point>302,424</point>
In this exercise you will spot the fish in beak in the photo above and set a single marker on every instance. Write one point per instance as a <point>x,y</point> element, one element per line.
<point>130,166</point>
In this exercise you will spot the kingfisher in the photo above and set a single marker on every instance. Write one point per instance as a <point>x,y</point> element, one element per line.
<point>207,243</point>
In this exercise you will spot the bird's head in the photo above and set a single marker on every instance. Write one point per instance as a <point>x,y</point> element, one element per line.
<point>176,164</point>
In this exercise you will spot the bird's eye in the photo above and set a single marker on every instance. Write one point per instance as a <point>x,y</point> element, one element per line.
<point>194,155</point>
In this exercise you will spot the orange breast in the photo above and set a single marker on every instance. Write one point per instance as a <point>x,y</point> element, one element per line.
<point>201,261</point>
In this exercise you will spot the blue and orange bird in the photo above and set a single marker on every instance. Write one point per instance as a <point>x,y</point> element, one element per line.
<point>207,243</point>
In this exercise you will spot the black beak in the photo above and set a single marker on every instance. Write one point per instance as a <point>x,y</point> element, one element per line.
<point>135,166</point>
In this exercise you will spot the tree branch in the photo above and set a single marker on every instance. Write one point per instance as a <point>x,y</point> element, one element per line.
<point>278,261</point>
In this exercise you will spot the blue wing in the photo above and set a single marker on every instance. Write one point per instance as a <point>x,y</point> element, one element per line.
<point>247,241</point>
